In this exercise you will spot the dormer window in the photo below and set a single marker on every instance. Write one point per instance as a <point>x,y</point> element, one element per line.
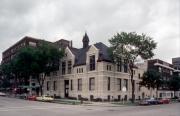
<point>92,62</point>
<point>63,68</point>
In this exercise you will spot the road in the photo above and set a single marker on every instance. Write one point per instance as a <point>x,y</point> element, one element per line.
<point>17,107</point>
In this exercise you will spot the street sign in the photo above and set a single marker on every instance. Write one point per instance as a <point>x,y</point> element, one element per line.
<point>124,89</point>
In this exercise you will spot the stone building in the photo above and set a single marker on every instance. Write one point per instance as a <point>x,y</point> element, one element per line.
<point>89,72</point>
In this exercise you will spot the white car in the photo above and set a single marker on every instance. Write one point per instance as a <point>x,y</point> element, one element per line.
<point>2,94</point>
<point>44,98</point>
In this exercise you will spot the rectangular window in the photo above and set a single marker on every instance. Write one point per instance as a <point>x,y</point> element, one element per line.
<point>48,74</point>
<point>109,67</point>
<point>119,84</point>
<point>69,67</point>
<point>47,86</point>
<point>109,83</point>
<point>79,84</point>
<point>54,73</point>
<point>92,62</point>
<point>91,83</point>
<point>139,75</point>
<point>126,83</point>
<point>119,63</point>
<point>71,84</point>
<point>63,68</point>
<point>54,85</point>
<point>125,66</point>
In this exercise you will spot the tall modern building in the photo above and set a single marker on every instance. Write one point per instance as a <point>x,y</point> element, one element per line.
<point>176,63</point>
<point>9,54</point>
<point>166,70</point>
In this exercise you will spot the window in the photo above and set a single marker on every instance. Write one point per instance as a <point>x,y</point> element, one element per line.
<point>48,74</point>
<point>139,75</point>
<point>71,84</point>
<point>92,83</point>
<point>119,63</point>
<point>63,68</point>
<point>69,67</point>
<point>79,84</point>
<point>54,73</point>
<point>54,85</point>
<point>33,84</point>
<point>47,86</point>
<point>92,62</point>
<point>108,84</point>
<point>125,66</point>
<point>79,70</point>
<point>126,83</point>
<point>109,67</point>
<point>32,44</point>
<point>119,84</point>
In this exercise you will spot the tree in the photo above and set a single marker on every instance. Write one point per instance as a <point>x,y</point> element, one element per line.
<point>38,62</point>
<point>47,60</point>
<point>151,79</point>
<point>130,46</point>
<point>174,83</point>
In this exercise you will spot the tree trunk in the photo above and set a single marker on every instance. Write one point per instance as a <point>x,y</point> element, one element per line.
<point>132,84</point>
<point>41,90</point>
<point>41,83</point>
<point>131,66</point>
<point>150,92</point>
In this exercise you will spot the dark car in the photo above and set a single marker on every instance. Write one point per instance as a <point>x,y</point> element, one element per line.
<point>152,101</point>
<point>144,102</point>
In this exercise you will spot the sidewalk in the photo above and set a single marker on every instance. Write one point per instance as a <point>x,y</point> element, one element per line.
<point>102,104</point>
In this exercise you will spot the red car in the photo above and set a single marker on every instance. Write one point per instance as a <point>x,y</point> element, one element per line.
<point>164,101</point>
<point>32,98</point>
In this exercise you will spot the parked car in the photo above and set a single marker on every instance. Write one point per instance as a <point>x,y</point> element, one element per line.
<point>164,101</point>
<point>2,94</point>
<point>152,101</point>
<point>32,98</point>
<point>144,102</point>
<point>45,98</point>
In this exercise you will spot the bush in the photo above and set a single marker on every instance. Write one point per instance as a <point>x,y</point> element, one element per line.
<point>73,98</point>
<point>97,100</point>
<point>57,97</point>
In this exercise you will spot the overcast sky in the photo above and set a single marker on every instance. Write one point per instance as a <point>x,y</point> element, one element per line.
<point>69,19</point>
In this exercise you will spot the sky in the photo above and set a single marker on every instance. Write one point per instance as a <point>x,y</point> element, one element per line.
<point>101,19</point>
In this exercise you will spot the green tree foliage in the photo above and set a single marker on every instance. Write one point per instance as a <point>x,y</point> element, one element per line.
<point>151,79</point>
<point>130,46</point>
<point>174,83</point>
<point>35,61</point>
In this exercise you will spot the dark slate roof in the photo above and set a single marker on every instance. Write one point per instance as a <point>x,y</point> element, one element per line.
<point>80,54</point>
<point>103,52</point>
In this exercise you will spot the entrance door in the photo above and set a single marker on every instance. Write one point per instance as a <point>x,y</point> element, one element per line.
<point>66,88</point>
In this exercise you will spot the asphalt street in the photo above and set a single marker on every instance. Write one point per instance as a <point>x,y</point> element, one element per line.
<point>17,107</point>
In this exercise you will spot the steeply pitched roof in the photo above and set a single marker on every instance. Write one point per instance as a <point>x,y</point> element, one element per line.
<point>103,52</point>
<point>80,54</point>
